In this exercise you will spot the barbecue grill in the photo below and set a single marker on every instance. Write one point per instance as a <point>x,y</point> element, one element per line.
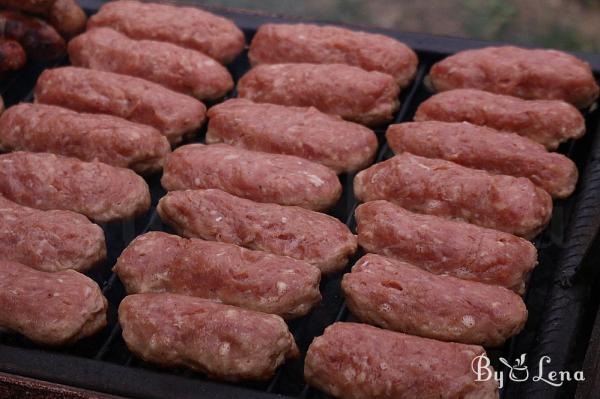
<point>559,297</point>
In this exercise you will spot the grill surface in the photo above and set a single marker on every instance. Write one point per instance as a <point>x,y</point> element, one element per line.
<point>559,297</point>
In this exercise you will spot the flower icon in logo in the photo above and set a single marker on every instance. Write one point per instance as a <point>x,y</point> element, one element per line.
<point>518,372</point>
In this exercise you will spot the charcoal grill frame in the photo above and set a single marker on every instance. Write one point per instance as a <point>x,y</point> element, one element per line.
<point>561,289</point>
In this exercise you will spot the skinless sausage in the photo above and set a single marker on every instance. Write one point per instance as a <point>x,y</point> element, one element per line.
<point>258,176</point>
<point>89,137</point>
<point>304,132</point>
<point>316,238</point>
<point>401,297</point>
<point>67,17</point>
<point>443,188</point>
<point>40,40</point>
<point>223,341</point>
<point>548,122</point>
<point>484,148</point>
<point>534,74</point>
<point>444,246</point>
<point>34,6</point>
<point>370,98</point>
<point>175,115</point>
<point>358,361</point>
<point>12,55</point>
<point>49,308</point>
<point>283,43</point>
<point>46,181</point>
<point>49,240</point>
<point>183,70</point>
<point>256,280</point>
<point>189,27</point>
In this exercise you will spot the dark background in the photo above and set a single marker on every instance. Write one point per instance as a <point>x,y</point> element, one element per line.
<point>565,24</point>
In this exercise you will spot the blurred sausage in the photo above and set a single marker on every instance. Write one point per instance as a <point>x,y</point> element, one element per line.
<point>225,342</point>
<point>314,237</point>
<point>442,188</point>
<point>49,308</point>
<point>67,17</point>
<point>358,361</point>
<point>49,240</point>
<point>47,181</point>
<point>532,74</point>
<point>180,69</point>
<point>301,131</point>
<point>40,40</point>
<point>189,27</point>
<point>33,6</point>
<point>370,98</point>
<point>401,297</point>
<point>175,115</point>
<point>257,176</point>
<point>548,122</point>
<point>12,55</point>
<point>256,280</point>
<point>480,147</point>
<point>89,137</point>
<point>283,43</point>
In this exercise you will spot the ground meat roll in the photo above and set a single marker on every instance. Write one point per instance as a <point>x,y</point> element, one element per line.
<point>529,74</point>
<point>67,17</point>
<point>12,55</point>
<point>370,98</point>
<point>34,6</point>
<point>188,27</point>
<point>399,296</point>
<point>548,122</point>
<point>175,115</point>
<point>281,43</point>
<point>302,131</point>
<point>49,308</point>
<point>46,181</point>
<point>358,361</point>
<point>484,148</point>
<point>444,246</point>
<point>316,238</point>
<point>223,341</point>
<point>89,137</point>
<point>39,39</point>
<point>184,70</point>
<point>443,188</point>
<point>49,240</point>
<point>258,176</point>
<point>160,262</point>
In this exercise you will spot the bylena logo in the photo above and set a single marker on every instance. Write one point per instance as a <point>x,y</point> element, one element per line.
<point>519,372</point>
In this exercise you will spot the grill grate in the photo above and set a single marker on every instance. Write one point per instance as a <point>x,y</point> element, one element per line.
<point>103,362</point>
